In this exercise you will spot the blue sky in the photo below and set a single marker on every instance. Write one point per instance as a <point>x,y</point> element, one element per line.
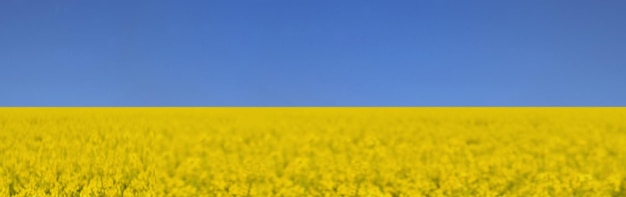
<point>312,53</point>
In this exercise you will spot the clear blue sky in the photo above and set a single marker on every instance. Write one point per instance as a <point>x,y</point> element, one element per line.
<point>312,53</point>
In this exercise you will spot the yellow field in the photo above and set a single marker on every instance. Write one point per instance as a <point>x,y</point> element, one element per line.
<point>313,151</point>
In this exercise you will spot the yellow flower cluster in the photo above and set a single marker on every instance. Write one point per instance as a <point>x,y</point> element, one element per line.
<point>313,152</point>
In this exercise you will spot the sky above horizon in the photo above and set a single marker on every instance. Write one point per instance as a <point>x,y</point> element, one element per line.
<point>312,53</point>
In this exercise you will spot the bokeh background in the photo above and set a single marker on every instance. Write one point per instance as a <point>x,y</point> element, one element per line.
<point>312,53</point>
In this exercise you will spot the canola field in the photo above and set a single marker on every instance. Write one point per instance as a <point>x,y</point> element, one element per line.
<point>313,151</point>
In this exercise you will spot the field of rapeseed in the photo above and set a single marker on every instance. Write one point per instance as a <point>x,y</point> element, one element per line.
<point>312,151</point>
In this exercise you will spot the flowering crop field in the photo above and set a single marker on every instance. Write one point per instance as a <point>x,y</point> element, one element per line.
<point>313,151</point>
